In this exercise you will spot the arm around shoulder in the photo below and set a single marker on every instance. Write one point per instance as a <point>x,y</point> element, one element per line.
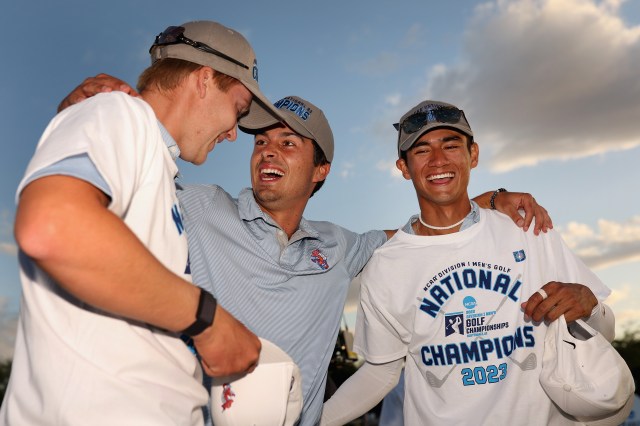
<point>510,203</point>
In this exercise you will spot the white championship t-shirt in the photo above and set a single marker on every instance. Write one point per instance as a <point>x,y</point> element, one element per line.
<point>451,304</point>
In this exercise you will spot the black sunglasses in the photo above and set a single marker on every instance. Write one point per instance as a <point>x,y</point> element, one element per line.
<point>175,35</point>
<point>438,114</point>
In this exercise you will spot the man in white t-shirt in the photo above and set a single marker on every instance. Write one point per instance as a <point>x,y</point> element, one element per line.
<point>105,272</point>
<point>455,292</point>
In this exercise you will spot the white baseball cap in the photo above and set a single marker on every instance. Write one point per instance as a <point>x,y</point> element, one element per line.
<point>584,375</point>
<point>270,395</point>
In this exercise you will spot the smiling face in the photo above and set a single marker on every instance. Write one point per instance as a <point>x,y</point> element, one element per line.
<point>439,164</point>
<point>283,173</point>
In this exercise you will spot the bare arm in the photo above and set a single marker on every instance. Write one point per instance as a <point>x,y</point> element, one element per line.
<point>510,203</point>
<point>94,85</point>
<point>64,225</point>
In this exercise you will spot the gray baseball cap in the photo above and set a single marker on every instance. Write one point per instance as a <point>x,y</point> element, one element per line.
<point>214,45</point>
<point>426,116</point>
<point>301,116</point>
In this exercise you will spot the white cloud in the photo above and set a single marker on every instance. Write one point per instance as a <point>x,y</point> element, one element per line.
<point>393,99</point>
<point>347,170</point>
<point>610,244</point>
<point>390,167</point>
<point>621,302</point>
<point>546,80</point>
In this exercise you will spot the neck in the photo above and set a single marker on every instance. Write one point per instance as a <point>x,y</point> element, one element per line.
<point>168,109</point>
<point>440,228</point>
<point>287,219</point>
<point>441,220</point>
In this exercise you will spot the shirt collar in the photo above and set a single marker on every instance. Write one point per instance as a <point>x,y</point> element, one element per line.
<point>471,219</point>
<point>250,211</point>
<point>171,143</point>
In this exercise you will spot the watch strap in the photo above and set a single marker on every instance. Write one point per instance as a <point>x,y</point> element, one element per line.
<point>204,315</point>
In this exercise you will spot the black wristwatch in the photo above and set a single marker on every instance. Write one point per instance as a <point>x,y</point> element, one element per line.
<point>204,315</point>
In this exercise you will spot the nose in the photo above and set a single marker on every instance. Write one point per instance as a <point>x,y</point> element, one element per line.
<point>232,134</point>
<point>438,158</point>
<point>268,150</point>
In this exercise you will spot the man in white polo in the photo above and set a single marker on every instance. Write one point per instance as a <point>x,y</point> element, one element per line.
<point>104,265</point>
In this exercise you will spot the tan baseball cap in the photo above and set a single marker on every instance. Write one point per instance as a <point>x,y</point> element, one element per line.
<point>301,116</point>
<point>426,116</point>
<point>223,49</point>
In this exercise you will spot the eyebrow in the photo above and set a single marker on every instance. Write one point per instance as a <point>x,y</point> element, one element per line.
<point>283,134</point>
<point>444,139</point>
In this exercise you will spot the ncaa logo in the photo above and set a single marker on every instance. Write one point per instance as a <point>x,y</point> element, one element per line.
<point>469,302</point>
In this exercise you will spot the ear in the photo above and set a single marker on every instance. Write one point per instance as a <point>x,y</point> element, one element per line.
<point>321,172</point>
<point>475,155</point>
<point>204,80</point>
<point>402,166</point>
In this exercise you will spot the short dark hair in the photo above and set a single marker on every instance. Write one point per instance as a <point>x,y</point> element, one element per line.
<point>319,159</point>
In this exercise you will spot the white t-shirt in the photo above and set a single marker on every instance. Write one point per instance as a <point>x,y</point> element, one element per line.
<point>451,304</point>
<point>74,364</point>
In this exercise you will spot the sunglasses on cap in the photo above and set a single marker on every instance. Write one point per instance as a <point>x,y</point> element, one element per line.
<point>175,35</point>
<point>435,114</point>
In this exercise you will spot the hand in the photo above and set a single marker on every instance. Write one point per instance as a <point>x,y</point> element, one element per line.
<point>510,203</point>
<point>227,347</point>
<point>91,86</point>
<point>573,300</point>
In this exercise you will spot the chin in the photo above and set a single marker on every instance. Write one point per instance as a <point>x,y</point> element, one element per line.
<point>266,195</point>
<point>199,160</point>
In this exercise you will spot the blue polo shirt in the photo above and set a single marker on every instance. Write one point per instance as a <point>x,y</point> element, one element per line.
<point>289,291</point>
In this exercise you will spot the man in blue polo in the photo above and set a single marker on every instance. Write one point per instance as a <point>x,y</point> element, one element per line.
<point>283,276</point>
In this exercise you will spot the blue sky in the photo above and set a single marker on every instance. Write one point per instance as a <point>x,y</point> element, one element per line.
<point>550,88</point>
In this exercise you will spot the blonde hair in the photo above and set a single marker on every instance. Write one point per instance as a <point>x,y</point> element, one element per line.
<point>167,74</point>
